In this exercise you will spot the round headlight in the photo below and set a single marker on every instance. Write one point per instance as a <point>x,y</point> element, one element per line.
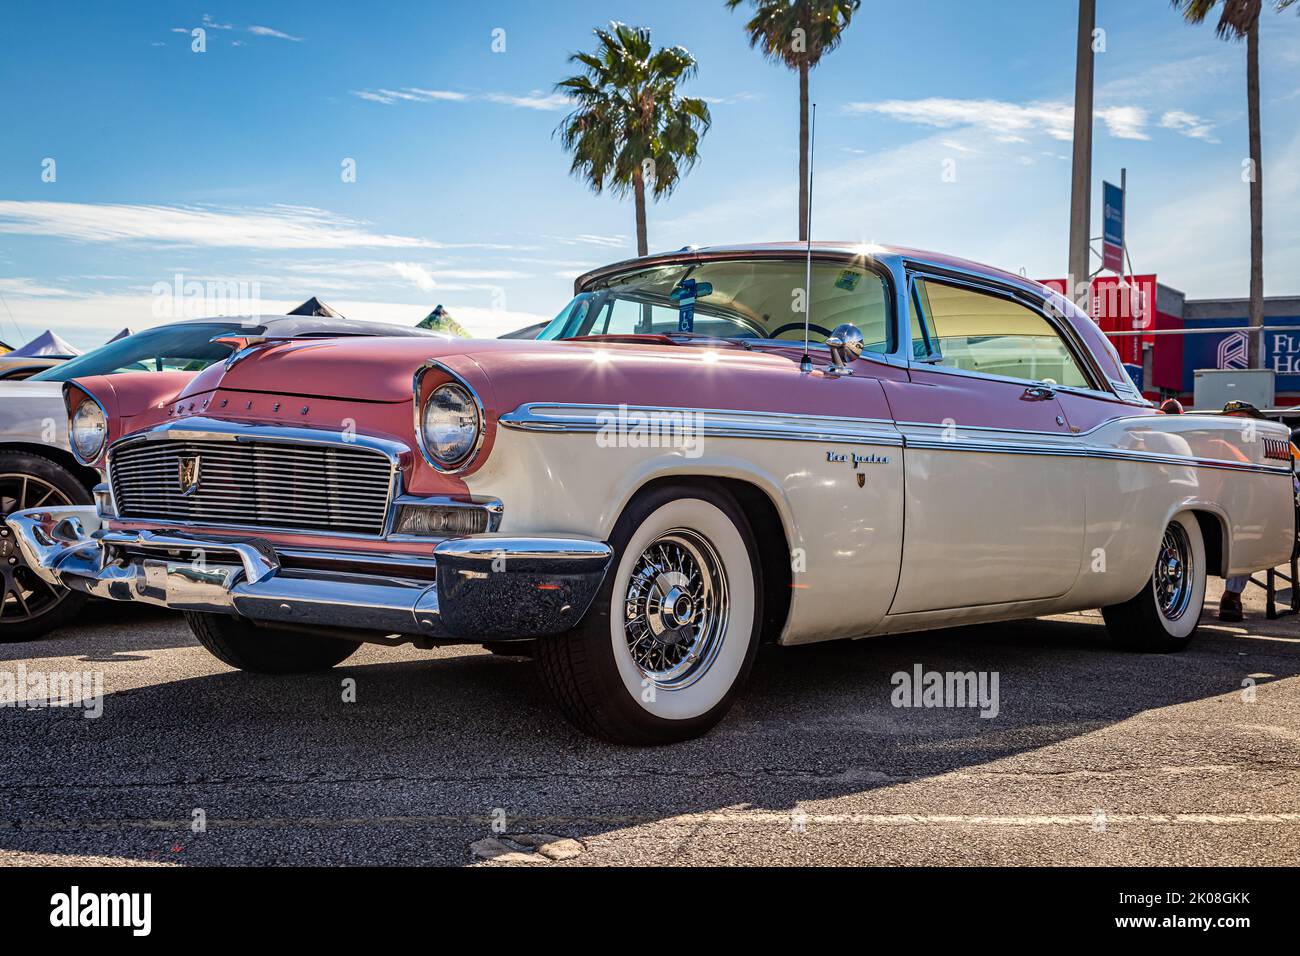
<point>89,430</point>
<point>451,425</point>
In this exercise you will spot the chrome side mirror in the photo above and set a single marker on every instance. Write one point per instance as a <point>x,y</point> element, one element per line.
<point>845,344</point>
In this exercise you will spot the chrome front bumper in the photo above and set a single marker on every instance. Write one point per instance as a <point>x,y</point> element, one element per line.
<point>484,587</point>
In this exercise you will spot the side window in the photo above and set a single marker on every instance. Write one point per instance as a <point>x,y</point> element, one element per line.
<point>975,332</point>
<point>624,317</point>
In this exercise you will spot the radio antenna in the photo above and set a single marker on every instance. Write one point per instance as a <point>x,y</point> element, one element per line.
<point>805,363</point>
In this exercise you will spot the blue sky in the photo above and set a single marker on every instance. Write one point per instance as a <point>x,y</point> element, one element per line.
<point>225,165</point>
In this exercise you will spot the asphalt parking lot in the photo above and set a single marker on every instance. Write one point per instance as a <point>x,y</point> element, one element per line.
<point>1094,757</point>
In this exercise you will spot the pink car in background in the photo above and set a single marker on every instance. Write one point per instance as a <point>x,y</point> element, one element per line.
<point>661,483</point>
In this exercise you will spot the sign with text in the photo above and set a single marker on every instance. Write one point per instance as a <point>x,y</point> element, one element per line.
<point>1112,228</point>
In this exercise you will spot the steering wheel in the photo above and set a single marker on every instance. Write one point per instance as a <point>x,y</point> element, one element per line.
<point>790,326</point>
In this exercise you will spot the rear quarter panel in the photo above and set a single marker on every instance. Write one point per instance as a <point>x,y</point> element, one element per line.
<point>1160,465</point>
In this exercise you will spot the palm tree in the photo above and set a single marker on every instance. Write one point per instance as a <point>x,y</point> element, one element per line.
<point>798,33</point>
<point>1239,19</point>
<point>629,124</point>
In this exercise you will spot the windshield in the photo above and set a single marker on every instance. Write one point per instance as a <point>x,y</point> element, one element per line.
<point>167,348</point>
<point>733,299</point>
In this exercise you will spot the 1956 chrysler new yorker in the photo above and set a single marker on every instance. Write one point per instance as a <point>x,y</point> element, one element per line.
<point>662,482</point>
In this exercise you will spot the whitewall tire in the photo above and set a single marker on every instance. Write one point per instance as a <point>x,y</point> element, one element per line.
<point>1164,615</point>
<point>672,634</point>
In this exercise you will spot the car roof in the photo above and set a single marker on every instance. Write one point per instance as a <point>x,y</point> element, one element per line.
<point>821,247</point>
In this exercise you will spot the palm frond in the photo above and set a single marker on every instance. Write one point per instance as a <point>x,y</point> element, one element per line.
<point>772,27</point>
<point>628,110</point>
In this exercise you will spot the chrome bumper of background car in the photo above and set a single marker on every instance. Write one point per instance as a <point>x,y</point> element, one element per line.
<point>484,587</point>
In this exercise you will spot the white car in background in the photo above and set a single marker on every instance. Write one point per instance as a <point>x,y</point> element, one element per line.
<point>37,468</point>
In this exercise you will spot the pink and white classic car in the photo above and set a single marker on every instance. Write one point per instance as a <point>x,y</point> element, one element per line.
<point>664,481</point>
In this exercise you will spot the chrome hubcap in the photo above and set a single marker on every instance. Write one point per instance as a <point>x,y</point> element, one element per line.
<point>1173,575</point>
<point>23,595</point>
<point>675,608</point>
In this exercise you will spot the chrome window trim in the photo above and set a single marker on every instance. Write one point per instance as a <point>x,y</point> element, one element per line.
<point>781,426</point>
<point>433,462</point>
<point>991,285</point>
<point>208,429</point>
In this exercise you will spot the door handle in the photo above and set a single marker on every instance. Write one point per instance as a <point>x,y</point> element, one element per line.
<point>1040,392</point>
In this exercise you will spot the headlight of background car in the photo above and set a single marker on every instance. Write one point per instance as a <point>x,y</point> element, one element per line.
<point>451,425</point>
<point>89,430</point>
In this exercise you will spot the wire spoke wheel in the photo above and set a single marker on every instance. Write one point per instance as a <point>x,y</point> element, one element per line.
<point>23,595</point>
<point>1174,573</point>
<point>675,608</point>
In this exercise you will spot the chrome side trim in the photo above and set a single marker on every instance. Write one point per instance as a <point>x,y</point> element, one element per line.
<point>1064,450</point>
<point>416,381</point>
<point>727,423</point>
<point>708,422</point>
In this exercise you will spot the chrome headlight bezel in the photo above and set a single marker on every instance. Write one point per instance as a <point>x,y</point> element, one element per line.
<point>467,399</point>
<point>95,423</point>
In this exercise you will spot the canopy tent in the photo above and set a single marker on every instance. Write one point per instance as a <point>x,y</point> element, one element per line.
<point>120,335</point>
<point>47,343</point>
<point>440,320</point>
<point>315,306</point>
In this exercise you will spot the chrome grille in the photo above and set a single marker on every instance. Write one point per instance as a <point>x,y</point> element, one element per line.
<point>250,484</point>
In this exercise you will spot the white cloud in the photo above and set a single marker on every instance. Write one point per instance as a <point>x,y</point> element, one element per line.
<point>89,320</point>
<point>437,94</point>
<point>1009,121</point>
<point>410,94</point>
<point>415,273</point>
<point>1188,124</point>
<point>373,96</point>
<point>278,227</point>
<point>31,288</point>
<point>212,24</point>
<point>742,97</point>
<point>536,100</point>
<point>1123,122</point>
<point>587,239</point>
<point>268,32</point>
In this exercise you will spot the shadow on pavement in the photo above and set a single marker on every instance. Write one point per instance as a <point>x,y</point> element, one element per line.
<point>286,771</point>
